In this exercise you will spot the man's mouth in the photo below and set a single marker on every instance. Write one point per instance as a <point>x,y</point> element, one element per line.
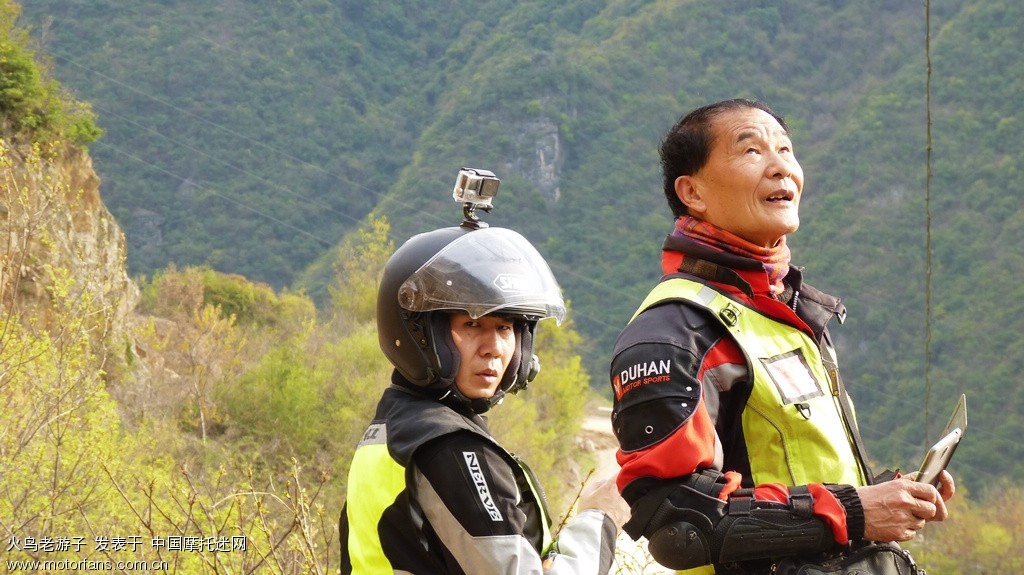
<point>782,196</point>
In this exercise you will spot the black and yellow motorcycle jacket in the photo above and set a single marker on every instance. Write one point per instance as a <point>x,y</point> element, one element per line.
<point>430,491</point>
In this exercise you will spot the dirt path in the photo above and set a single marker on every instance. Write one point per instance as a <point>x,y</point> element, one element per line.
<point>631,557</point>
<point>596,436</point>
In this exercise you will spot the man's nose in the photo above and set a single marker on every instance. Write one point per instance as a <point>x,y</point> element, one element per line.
<point>490,343</point>
<point>779,167</point>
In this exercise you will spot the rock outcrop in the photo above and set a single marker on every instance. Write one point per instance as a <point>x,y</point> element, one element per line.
<point>59,245</point>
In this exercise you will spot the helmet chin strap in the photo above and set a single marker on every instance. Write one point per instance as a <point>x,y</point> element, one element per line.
<point>478,406</point>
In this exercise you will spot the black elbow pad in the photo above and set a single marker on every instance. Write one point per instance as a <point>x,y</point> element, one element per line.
<point>683,542</point>
<point>684,538</point>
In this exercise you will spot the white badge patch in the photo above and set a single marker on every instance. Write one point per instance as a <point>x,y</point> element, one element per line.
<point>792,377</point>
<point>480,482</point>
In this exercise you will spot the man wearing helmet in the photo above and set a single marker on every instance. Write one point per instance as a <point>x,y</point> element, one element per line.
<point>430,491</point>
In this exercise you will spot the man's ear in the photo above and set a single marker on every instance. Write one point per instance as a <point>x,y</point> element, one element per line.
<point>690,194</point>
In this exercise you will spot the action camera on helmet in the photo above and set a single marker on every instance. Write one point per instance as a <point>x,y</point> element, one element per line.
<point>475,190</point>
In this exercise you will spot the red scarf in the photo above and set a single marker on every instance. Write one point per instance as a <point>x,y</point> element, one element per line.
<point>775,259</point>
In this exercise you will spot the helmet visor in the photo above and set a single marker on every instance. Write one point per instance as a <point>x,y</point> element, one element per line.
<point>485,271</point>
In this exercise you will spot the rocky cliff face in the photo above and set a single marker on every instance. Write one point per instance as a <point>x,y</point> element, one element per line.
<point>57,237</point>
<point>538,155</point>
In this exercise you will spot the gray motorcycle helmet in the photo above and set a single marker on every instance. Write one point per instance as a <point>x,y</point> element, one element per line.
<point>460,269</point>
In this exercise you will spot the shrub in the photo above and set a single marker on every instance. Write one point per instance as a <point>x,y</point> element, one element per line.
<point>31,103</point>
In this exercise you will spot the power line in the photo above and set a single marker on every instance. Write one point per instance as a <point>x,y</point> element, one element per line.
<point>383,201</point>
<point>907,406</point>
<point>206,121</point>
<point>564,270</point>
<point>308,201</point>
<point>327,243</point>
<point>928,222</point>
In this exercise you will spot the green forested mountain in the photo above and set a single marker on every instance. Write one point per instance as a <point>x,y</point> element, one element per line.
<point>253,136</point>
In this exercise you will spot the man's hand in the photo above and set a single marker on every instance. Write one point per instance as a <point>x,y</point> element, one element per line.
<point>896,510</point>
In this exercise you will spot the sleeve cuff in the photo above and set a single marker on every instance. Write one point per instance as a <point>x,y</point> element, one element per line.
<point>848,498</point>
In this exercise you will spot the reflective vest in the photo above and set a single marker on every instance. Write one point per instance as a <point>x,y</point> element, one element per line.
<point>378,502</point>
<point>793,425</point>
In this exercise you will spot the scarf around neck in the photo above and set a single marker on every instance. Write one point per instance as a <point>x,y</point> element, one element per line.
<point>774,259</point>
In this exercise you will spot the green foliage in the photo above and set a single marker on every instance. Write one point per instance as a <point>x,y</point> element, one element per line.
<point>155,456</point>
<point>58,422</point>
<point>980,537</point>
<point>310,394</point>
<point>358,268</point>
<point>280,399</point>
<point>356,373</point>
<point>30,102</point>
<point>20,88</point>
<point>171,293</point>
<point>254,303</point>
<point>75,470</point>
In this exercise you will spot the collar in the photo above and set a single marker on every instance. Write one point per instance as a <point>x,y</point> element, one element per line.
<point>745,278</point>
<point>751,276</point>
